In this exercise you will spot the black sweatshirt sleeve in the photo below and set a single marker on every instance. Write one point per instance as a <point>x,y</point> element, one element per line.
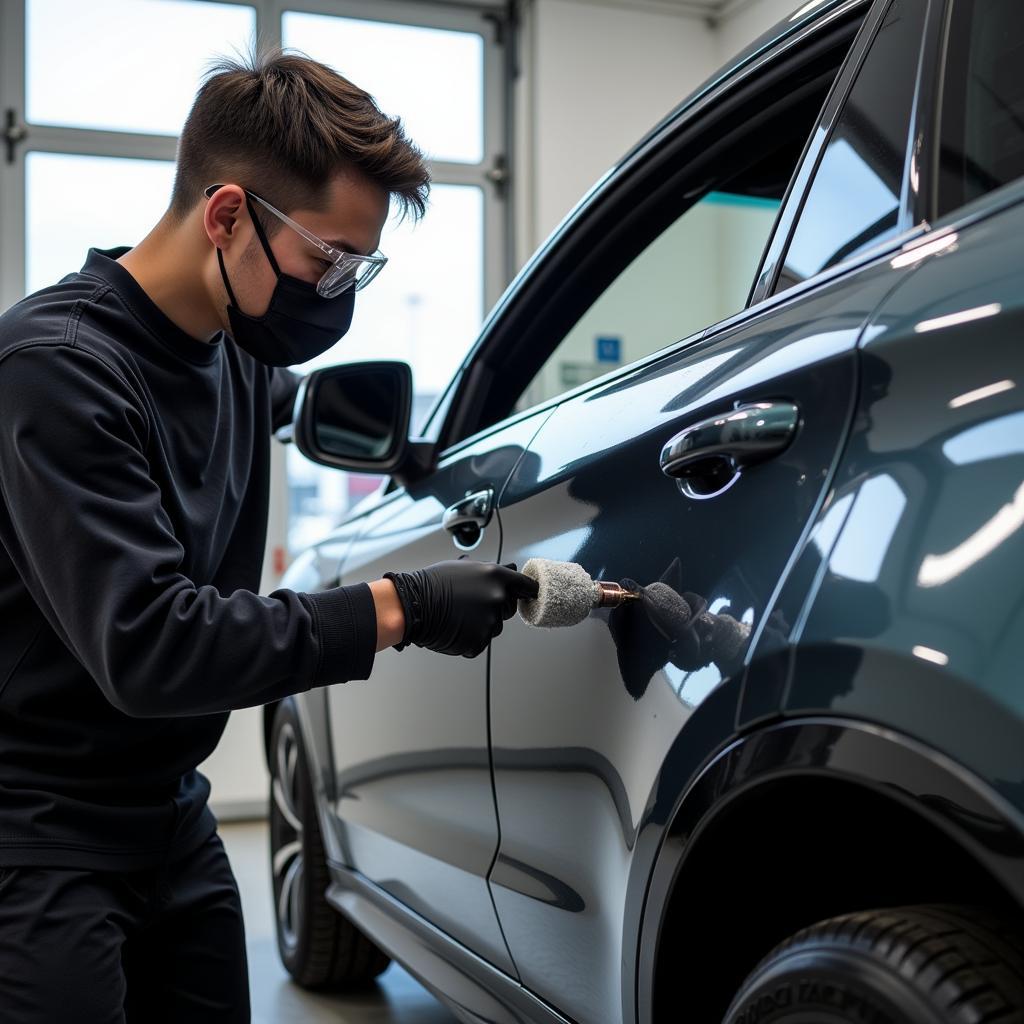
<point>283,386</point>
<point>85,528</point>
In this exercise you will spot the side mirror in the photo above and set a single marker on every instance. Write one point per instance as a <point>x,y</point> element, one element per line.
<point>355,416</point>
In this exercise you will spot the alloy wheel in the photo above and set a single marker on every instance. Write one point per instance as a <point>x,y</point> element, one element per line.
<point>286,827</point>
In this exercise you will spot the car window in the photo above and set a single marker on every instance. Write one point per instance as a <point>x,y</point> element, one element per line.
<point>667,247</point>
<point>855,198</point>
<point>695,273</point>
<point>982,121</point>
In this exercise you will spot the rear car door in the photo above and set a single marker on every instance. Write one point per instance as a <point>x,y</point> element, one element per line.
<point>701,468</point>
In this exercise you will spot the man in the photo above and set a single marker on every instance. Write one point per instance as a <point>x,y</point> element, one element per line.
<point>138,398</point>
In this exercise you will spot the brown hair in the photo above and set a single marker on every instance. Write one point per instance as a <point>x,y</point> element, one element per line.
<point>282,125</point>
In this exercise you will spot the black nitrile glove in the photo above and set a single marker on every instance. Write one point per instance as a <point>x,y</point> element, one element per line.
<point>457,607</point>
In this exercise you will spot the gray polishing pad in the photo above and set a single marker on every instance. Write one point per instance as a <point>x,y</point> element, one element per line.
<point>565,595</point>
<point>667,610</point>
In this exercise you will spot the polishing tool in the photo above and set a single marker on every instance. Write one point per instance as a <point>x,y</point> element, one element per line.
<point>566,594</point>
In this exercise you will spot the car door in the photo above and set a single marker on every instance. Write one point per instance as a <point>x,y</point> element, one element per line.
<point>414,810</point>
<point>700,469</point>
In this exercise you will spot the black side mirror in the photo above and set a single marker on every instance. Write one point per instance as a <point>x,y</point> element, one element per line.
<point>355,416</point>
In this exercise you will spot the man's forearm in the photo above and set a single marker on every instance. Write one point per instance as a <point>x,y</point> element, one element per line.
<point>390,619</point>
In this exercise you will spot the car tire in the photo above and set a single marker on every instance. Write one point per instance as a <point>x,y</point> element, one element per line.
<point>904,965</point>
<point>319,947</point>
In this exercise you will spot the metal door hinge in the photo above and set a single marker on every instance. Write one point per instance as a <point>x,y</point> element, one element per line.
<point>14,132</point>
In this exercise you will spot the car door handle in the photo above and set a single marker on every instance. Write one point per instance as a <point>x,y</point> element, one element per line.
<point>466,519</point>
<point>707,457</point>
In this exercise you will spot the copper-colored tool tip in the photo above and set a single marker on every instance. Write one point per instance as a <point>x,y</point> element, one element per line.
<point>611,595</point>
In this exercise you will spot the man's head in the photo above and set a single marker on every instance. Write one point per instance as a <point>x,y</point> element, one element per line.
<point>310,143</point>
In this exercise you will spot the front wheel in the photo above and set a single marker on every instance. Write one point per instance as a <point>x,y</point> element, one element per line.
<point>319,948</point>
<point>905,965</point>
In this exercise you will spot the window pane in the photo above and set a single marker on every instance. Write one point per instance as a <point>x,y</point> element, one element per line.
<point>75,202</point>
<point>695,273</point>
<point>425,307</point>
<point>431,78</point>
<point>982,144</point>
<point>854,202</point>
<point>125,65</point>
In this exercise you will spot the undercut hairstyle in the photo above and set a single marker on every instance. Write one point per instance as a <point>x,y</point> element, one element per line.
<point>283,125</point>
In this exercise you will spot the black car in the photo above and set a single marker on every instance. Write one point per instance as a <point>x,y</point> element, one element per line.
<point>792,791</point>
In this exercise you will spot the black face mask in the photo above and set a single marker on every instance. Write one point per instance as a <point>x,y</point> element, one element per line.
<point>299,322</point>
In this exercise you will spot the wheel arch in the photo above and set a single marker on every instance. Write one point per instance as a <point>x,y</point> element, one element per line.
<point>800,821</point>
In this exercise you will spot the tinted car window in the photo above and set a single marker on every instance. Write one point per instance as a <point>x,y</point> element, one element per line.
<point>854,200</point>
<point>698,271</point>
<point>982,131</point>
<point>669,250</point>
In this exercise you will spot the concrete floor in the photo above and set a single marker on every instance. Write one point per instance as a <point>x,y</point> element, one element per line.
<point>397,999</point>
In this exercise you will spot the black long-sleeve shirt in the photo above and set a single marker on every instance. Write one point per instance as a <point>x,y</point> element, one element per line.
<point>134,481</point>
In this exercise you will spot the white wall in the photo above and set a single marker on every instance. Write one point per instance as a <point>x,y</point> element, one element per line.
<point>743,23</point>
<point>696,273</point>
<point>597,76</point>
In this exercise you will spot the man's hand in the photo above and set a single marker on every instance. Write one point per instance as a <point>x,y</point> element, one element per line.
<point>457,607</point>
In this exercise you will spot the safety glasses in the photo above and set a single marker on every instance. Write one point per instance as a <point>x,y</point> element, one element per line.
<point>347,270</point>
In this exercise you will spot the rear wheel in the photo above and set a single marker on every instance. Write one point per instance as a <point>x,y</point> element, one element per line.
<point>319,948</point>
<point>906,965</point>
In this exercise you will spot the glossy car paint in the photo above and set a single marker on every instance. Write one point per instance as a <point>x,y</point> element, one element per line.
<point>413,804</point>
<point>927,514</point>
<point>606,777</point>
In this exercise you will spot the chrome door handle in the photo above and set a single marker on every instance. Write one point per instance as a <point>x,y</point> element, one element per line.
<point>708,457</point>
<point>466,519</point>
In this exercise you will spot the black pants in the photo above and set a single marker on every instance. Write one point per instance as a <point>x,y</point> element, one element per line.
<point>142,947</point>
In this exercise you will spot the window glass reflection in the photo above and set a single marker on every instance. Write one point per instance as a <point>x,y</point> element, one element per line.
<point>75,202</point>
<point>432,77</point>
<point>696,273</point>
<point>79,57</point>
<point>993,439</point>
<point>869,530</point>
<point>854,201</point>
